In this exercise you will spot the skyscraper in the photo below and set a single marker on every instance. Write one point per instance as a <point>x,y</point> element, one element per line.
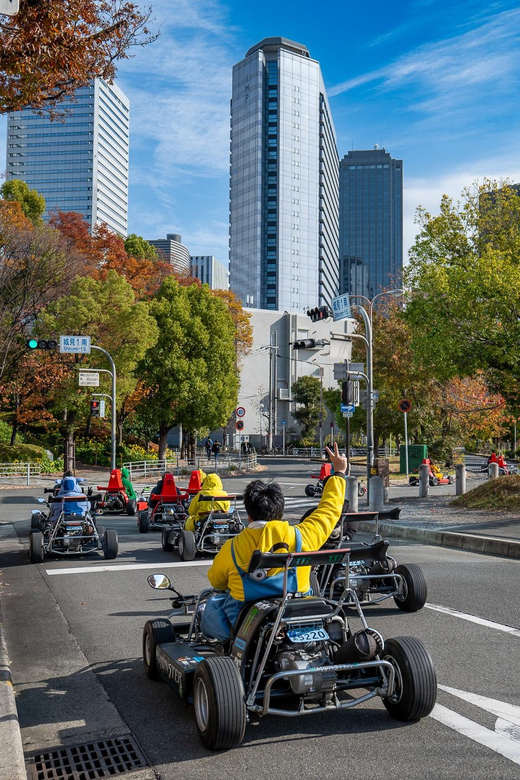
<point>173,251</point>
<point>284,181</point>
<point>371,222</point>
<point>79,164</point>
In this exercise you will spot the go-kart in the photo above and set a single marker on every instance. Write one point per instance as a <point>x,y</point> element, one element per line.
<point>373,580</point>
<point>115,498</point>
<point>292,655</point>
<point>507,469</point>
<point>167,510</point>
<point>435,477</point>
<point>73,530</point>
<point>316,490</point>
<point>211,532</point>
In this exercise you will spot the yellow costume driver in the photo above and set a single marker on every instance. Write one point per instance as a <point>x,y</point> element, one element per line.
<point>264,504</point>
<point>198,510</point>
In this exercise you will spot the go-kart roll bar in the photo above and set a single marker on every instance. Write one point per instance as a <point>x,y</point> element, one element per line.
<point>233,496</point>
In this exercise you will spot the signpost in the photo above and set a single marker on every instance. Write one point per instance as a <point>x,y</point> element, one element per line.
<point>75,345</point>
<point>348,409</point>
<point>240,411</point>
<point>341,308</point>
<point>284,425</point>
<point>88,379</point>
<point>404,406</point>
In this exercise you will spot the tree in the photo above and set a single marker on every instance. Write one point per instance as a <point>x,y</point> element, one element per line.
<point>306,392</point>
<point>31,202</point>
<point>137,247</point>
<point>49,49</point>
<point>241,319</point>
<point>191,372</point>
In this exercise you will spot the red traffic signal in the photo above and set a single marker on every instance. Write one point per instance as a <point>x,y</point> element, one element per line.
<point>95,408</point>
<point>319,313</point>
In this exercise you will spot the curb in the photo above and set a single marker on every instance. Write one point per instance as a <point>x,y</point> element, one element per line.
<point>509,548</point>
<point>12,763</point>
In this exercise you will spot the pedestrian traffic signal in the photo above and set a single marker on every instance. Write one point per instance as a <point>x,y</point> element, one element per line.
<point>319,313</point>
<point>347,392</point>
<point>304,344</point>
<point>42,343</point>
<point>95,408</point>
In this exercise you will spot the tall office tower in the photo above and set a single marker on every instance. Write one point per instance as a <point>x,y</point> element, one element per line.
<point>80,164</point>
<point>173,251</point>
<point>284,244</point>
<point>371,222</point>
<point>210,271</point>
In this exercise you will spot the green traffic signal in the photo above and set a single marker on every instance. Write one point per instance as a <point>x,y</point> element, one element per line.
<point>42,344</point>
<point>32,343</point>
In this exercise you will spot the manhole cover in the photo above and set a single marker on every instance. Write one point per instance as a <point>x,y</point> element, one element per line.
<point>106,758</point>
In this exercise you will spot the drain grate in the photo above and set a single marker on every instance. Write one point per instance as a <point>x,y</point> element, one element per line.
<point>93,760</point>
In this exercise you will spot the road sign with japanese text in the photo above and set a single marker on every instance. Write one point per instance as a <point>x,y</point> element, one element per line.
<point>75,345</point>
<point>88,379</point>
<point>341,307</point>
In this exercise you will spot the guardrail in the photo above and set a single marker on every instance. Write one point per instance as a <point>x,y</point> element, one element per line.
<point>156,468</point>
<point>314,452</point>
<point>26,470</point>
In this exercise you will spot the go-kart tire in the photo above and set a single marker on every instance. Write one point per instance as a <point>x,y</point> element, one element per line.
<point>218,699</point>
<point>450,480</point>
<point>36,524</point>
<point>434,481</point>
<point>101,532</point>
<point>310,491</point>
<point>416,589</point>
<point>416,681</point>
<point>155,632</point>
<point>166,544</point>
<point>144,522</point>
<point>361,489</point>
<point>36,550</point>
<point>187,546</point>
<point>110,544</point>
<point>131,507</point>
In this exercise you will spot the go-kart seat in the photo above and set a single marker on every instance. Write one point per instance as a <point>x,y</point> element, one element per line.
<point>169,489</point>
<point>115,483</point>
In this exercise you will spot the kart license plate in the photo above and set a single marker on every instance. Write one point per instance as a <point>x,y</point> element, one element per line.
<point>307,634</point>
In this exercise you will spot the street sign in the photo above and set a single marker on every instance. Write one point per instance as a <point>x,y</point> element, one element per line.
<point>283,423</point>
<point>360,367</point>
<point>375,396</point>
<point>239,425</point>
<point>341,307</point>
<point>240,411</point>
<point>405,405</point>
<point>9,7</point>
<point>102,408</point>
<point>75,345</point>
<point>340,370</point>
<point>88,379</point>
<point>348,414</point>
<point>348,408</point>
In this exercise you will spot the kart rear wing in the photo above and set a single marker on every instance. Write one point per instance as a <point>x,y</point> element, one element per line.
<point>227,497</point>
<point>286,560</point>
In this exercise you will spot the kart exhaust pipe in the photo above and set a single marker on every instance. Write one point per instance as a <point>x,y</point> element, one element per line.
<point>362,646</point>
<point>382,567</point>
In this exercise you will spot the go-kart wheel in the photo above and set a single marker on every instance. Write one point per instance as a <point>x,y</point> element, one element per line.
<point>110,544</point>
<point>36,524</point>
<point>36,551</point>
<point>167,545</point>
<point>310,491</point>
<point>155,633</point>
<point>131,507</point>
<point>361,489</point>
<point>187,546</point>
<point>412,595</point>
<point>415,689</point>
<point>434,481</point>
<point>450,480</point>
<point>218,699</point>
<point>144,522</point>
<point>101,532</point>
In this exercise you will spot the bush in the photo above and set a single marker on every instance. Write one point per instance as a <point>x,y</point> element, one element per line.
<point>21,453</point>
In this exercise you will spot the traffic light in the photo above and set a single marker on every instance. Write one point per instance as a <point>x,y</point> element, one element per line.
<point>347,392</point>
<point>42,343</point>
<point>94,408</point>
<point>304,344</point>
<point>319,313</point>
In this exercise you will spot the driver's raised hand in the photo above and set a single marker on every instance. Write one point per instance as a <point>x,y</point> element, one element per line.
<point>339,462</point>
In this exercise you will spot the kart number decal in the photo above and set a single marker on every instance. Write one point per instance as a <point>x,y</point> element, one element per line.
<point>307,634</point>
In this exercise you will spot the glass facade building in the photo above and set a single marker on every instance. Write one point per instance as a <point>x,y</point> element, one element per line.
<point>210,271</point>
<point>371,222</point>
<point>284,190</point>
<point>78,164</point>
<point>173,251</point>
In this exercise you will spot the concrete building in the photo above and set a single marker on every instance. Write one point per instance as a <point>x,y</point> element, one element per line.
<point>371,222</point>
<point>210,271</point>
<point>173,251</point>
<point>80,164</point>
<point>284,181</point>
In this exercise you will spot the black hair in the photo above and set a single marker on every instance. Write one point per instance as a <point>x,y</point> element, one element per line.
<point>264,501</point>
<point>68,473</point>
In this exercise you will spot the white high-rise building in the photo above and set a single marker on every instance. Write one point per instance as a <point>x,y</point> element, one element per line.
<point>284,233</point>
<point>79,164</point>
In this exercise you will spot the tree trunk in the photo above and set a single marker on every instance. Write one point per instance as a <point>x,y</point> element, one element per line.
<point>163,442</point>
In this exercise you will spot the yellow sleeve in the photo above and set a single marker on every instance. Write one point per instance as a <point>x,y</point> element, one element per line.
<point>193,505</point>
<point>317,527</point>
<point>218,572</point>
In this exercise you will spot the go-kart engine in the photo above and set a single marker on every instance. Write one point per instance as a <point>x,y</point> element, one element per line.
<point>290,660</point>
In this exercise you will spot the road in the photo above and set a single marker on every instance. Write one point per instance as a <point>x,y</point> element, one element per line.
<point>74,636</point>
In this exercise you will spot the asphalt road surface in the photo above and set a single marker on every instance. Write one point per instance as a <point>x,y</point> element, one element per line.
<point>74,633</point>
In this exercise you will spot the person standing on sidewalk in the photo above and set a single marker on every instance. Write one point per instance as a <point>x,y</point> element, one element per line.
<point>216,452</point>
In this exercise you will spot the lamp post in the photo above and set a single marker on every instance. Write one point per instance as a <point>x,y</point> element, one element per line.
<point>321,405</point>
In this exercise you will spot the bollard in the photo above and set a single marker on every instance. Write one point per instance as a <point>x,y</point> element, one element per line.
<point>351,494</point>
<point>493,471</point>
<point>460,479</point>
<point>377,494</point>
<point>424,480</point>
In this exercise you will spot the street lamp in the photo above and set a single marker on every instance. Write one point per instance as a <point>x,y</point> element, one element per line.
<point>321,405</point>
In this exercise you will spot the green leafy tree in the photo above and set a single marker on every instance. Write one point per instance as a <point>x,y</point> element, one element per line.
<point>31,202</point>
<point>137,247</point>
<point>306,393</point>
<point>191,373</point>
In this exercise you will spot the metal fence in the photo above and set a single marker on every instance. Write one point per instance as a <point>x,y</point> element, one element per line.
<point>26,470</point>
<point>155,468</point>
<point>314,452</point>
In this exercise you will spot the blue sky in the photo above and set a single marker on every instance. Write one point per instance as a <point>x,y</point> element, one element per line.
<point>437,83</point>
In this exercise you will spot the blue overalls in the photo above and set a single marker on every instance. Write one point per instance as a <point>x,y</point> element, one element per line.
<point>222,610</point>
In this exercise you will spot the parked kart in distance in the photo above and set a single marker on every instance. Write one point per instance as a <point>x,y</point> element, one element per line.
<point>168,509</point>
<point>435,476</point>
<point>508,469</point>
<point>72,531</point>
<point>317,489</point>
<point>373,580</point>
<point>212,531</point>
<point>292,655</point>
<point>115,498</point>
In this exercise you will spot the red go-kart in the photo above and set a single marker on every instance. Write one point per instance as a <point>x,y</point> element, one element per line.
<point>166,511</point>
<point>115,498</point>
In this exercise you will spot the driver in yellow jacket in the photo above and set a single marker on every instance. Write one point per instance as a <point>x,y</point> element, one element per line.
<point>198,510</point>
<point>264,504</point>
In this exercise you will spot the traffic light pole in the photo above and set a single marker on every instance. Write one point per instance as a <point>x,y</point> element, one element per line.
<point>113,420</point>
<point>370,398</point>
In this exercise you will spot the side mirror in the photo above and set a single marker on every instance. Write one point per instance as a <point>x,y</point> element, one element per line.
<point>159,581</point>
<point>42,501</point>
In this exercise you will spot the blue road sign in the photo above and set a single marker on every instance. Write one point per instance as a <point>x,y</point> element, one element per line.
<point>348,408</point>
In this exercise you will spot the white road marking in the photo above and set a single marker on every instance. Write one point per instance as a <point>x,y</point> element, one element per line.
<point>126,567</point>
<point>499,743</point>
<point>502,709</point>
<point>474,619</point>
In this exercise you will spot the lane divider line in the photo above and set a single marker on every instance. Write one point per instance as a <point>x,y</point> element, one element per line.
<point>474,619</point>
<point>125,567</point>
